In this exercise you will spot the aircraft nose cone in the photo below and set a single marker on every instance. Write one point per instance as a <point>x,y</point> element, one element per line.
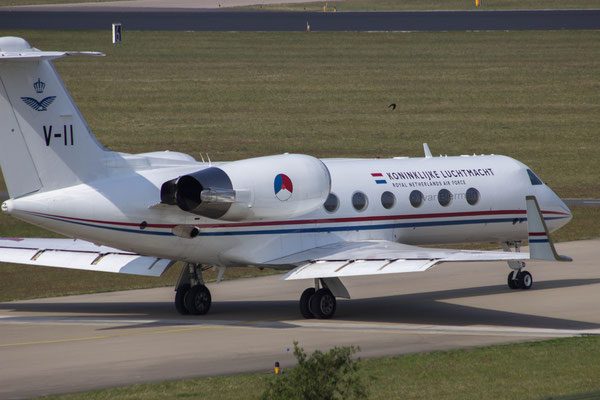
<point>7,206</point>
<point>565,208</point>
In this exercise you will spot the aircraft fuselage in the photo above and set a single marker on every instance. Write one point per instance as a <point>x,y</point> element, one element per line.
<point>456,199</point>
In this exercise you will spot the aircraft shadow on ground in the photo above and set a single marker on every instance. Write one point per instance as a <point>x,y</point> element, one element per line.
<point>426,308</point>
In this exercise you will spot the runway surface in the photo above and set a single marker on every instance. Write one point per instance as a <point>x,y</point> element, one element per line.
<point>171,4</point>
<point>177,19</point>
<point>582,202</point>
<point>79,343</point>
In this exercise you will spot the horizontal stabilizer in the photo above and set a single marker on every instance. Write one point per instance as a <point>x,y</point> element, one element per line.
<point>78,254</point>
<point>540,243</point>
<point>14,48</point>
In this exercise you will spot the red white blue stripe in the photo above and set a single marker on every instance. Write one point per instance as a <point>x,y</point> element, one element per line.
<point>378,178</point>
<point>538,237</point>
<point>294,226</point>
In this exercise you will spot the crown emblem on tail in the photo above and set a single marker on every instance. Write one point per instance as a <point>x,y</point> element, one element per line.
<point>39,86</point>
<point>43,104</point>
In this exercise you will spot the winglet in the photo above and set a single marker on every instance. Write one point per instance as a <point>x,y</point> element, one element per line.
<point>540,243</point>
<point>426,150</point>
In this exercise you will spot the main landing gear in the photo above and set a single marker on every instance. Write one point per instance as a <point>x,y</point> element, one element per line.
<point>517,278</point>
<point>319,302</point>
<point>191,295</point>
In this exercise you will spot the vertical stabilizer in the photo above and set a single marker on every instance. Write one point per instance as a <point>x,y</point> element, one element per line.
<point>45,143</point>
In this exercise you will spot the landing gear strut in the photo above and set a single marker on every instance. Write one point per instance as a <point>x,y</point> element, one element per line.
<point>517,278</point>
<point>191,295</point>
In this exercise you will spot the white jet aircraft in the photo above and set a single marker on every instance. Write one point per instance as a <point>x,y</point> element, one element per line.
<point>322,219</point>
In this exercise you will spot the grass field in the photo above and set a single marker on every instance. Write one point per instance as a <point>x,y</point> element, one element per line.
<point>413,5</point>
<point>4,3</point>
<point>521,371</point>
<point>530,95</point>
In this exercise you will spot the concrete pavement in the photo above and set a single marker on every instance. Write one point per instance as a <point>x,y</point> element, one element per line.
<point>79,343</point>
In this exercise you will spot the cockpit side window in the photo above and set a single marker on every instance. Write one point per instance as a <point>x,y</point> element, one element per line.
<point>533,178</point>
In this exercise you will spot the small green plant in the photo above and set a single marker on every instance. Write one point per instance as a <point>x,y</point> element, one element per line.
<point>322,376</point>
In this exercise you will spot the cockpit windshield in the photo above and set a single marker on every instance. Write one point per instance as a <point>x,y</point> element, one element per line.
<point>533,178</point>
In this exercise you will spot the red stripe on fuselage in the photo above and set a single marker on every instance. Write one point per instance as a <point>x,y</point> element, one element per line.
<point>311,221</point>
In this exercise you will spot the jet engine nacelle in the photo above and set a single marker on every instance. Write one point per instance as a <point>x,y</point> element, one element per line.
<point>282,186</point>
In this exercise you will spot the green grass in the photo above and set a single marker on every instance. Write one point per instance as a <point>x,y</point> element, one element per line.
<point>412,5</point>
<point>517,371</point>
<point>5,3</point>
<point>584,225</point>
<point>530,95</point>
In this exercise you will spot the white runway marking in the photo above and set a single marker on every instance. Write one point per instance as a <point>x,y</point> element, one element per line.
<point>308,324</point>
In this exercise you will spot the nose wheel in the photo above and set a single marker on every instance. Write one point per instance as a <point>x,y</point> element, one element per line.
<point>520,280</point>
<point>517,278</point>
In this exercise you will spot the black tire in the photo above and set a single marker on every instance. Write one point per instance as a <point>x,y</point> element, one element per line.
<point>305,303</point>
<point>525,280</point>
<point>512,283</point>
<point>198,300</point>
<point>180,299</point>
<point>323,304</point>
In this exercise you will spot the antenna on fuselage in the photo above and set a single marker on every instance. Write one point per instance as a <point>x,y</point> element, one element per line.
<point>427,151</point>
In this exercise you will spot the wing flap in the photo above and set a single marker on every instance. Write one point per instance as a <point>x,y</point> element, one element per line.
<point>331,269</point>
<point>78,254</point>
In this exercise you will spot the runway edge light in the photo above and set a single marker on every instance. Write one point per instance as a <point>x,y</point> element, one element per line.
<point>276,367</point>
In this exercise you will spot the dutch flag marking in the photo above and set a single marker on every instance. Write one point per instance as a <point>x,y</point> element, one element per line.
<point>378,178</point>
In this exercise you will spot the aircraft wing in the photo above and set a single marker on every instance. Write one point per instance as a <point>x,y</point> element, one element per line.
<point>384,257</point>
<point>380,257</point>
<point>79,254</point>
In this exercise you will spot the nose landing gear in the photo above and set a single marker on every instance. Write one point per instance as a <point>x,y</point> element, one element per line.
<point>517,278</point>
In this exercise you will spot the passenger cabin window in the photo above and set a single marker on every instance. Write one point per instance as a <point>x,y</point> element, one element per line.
<point>472,196</point>
<point>416,198</point>
<point>533,178</point>
<point>388,200</point>
<point>359,201</point>
<point>444,197</point>
<point>332,203</point>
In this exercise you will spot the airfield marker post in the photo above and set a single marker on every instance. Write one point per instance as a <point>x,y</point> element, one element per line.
<point>116,33</point>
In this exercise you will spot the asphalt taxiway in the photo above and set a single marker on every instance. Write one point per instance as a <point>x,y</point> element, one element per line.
<point>79,343</point>
<point>178,19</point>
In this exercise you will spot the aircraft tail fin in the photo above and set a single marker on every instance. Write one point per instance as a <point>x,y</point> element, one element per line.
<point>45,143</point>
<point>540,243</point>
